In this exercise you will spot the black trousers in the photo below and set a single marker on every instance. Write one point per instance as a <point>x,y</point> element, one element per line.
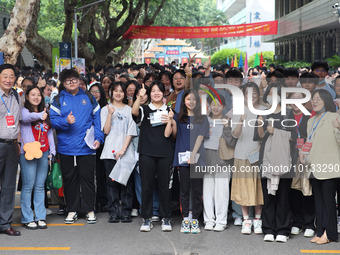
<point>325,208</point>
<point>113,189</point>
<point>276,213</point>
<point>9,159</point>
<point>79,181</point>
<point>196,187</point>
<point>156,170</point>
<point>303,209</point>
<point>101,194</point>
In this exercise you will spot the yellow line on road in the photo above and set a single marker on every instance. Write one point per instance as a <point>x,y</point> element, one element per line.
<point>35,248</point>
<point>56,225</point>
<point>17,193</point>
<point>51,206</point>
<point>320,251</point>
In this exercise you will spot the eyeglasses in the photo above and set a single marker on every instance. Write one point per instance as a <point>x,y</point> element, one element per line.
<point>320,70</point>
<point>181,78</point>
<point>74,80</point>
<point>95,92</point>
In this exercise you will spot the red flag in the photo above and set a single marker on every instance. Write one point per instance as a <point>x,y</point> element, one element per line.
<point>232,62</point>
<point>261,60</point>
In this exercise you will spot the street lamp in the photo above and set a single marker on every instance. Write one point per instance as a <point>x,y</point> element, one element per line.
<point>337,12</point>
<point>75,24</point>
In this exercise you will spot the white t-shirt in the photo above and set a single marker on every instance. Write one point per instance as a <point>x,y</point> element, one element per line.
<point>245,143</point>
<point>122,125</point>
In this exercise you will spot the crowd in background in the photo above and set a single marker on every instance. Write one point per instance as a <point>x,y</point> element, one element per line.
<point>148,126</point>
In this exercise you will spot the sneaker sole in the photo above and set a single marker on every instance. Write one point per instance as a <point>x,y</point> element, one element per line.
<point>167,230</point>
<point>185,231</point>
<point>196,232</point>
<point>146,230</point>
<point>42,227</point>
<point>91,221</point>
<point>70,222</point>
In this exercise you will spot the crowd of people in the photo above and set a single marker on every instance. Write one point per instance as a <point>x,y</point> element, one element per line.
<point>132,139</point>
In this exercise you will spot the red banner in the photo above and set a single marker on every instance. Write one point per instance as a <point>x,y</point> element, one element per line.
<point>145,32</point>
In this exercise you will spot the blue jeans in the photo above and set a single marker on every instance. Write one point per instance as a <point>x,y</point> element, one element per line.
<point>33,173</point>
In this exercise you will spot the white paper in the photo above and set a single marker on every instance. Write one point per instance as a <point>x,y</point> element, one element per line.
<point>156,118</point>
<point>123,168</point>
<point>184,157</point>
<point>89,137</point>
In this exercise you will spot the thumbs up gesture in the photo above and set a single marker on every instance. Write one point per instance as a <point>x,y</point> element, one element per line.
<point>70,118</point>
<point>44,117</point>
<point>142,91</point>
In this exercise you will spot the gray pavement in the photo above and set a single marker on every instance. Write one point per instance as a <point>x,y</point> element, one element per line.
<point>125,238</point>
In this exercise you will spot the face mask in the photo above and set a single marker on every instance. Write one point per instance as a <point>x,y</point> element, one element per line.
<point>321,81</point>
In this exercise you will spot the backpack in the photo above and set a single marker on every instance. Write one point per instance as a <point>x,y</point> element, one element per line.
<point>16,95</point>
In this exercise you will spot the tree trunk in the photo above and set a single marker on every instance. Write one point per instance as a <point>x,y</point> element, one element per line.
<point>14,38</point>
<point>36,44</point>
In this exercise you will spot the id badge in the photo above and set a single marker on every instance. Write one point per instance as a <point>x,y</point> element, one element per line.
<point>10,121</point>
<point>299,143</point>
<point>306,147</point>
<point>42,142</point>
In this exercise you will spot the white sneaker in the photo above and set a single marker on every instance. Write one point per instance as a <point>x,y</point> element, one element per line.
<point>91,218</point>
<point>166,225</point>
<point>155,218</point>
<point>48,211</point>
<point>309,232</point>
<point>281,238</point>
<point>195,226</point>
<point>71,218</point>
<point>146,226</point>
<point>209,226</point>
<point>238,221</point>
<point>246,227</point>
<point>134,213</point>
<point>42,224</point>
<point>219,227</point>
<point>257,226</point>
<point>269,238</point>
<point>295,231</point>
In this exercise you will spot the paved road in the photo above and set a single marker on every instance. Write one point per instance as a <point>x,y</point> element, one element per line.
<point>125,238</point>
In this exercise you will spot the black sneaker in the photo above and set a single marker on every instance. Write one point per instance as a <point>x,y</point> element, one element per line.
<point>62,210</point>
<point>126,219</point>
<point>113,219</point>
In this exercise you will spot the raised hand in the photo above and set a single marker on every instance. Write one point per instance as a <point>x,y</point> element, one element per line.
<point>243,117</point>
<point>142,91</point>
<point>207,65</point>
<point>70,118</point>
<point>171,114</point>
<point>110,109</point>
<point>191,59</point>
<point>44,117</point>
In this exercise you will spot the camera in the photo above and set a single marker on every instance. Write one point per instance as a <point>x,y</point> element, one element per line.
<point>335,6</point>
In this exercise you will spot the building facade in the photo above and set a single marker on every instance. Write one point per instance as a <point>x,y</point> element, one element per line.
<point>247,11</point>
<point>308,30</point>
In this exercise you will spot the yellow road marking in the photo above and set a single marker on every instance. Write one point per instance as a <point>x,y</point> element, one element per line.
<point>320,251</point>
<point>35,248</point>
<point>17,193</point>
<point>51,206</point>
<point>56,225</point>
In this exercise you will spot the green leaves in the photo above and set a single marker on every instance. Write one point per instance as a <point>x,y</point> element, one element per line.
<point>220,57</point>
<point>334,61</point>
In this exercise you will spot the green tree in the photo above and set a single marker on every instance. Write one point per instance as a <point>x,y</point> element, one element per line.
<point>268,56</point>
<point>100,31</point>
<point>220,57</point>
<point>334,61</point>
